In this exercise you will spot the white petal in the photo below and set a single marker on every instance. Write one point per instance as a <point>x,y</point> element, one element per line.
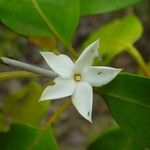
<point>61,64</point>
<point>83,99</point>
<point>61,88</point>
<point>99,76</point>
<point>87,56</point>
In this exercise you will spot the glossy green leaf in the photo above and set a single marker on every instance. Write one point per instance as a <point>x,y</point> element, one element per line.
<point>117,35</point>
<point>23,137</point>
<point>41,17</point>
<point>89,7</point>
<point>114,139</point>
<point>128,97</point>
<point>24,105</point>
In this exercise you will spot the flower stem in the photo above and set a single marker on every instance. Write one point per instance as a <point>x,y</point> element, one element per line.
<point>138,58</point>
<point>34,69</point>
<point>58,113</point>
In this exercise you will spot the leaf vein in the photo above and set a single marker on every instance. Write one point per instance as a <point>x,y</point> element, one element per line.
<point>126,99</point>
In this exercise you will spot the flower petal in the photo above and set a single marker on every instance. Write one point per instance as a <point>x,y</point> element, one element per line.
<point>99,76</point>
<point>61,88</point>
<point>83,99</point>
<point>87,56</point>
<point>61,64</point>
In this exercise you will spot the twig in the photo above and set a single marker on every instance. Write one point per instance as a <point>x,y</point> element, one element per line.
<point>34,69</point>
<point>58,113</point>
<point>51,121</point>
<point>138,58</point>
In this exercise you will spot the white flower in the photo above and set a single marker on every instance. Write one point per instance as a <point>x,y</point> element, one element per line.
<point>76,79</point>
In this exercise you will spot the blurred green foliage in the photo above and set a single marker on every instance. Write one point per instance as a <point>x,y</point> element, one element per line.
<point>11,44</point>
<point>117,36</point>
<point>114,139</point>
<point>24,105</point>
<point>24,137</point>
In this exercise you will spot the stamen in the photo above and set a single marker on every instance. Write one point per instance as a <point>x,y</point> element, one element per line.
<point>77,77</point>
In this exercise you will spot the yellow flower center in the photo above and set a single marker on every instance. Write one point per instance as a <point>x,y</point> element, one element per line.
<point>77,77</point>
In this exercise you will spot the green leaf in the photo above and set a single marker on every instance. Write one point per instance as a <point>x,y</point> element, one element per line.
<point>21,136</point>
<point>24,105</point>
<point>128,98</point>
<point>2,52</point>
<point>89,7</point>
<point>47,43</point>
<point>114,139</point>
<point>3,124</point>
<point>117,35</point>
<point>41,17</point>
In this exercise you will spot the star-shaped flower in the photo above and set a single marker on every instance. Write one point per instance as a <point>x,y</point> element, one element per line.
<point>76,79</point>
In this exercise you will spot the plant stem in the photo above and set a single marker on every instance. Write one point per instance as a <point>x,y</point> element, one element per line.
<point>138,58</point>
<point>52,120</point>
<point>16,74</point>
<point>58,113</point>
<point>34,69</point>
